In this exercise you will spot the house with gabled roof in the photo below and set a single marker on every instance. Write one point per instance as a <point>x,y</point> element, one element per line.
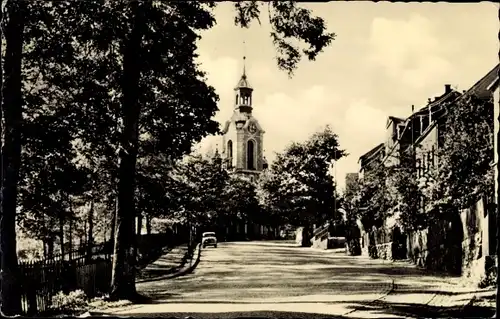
<point>423,132</point>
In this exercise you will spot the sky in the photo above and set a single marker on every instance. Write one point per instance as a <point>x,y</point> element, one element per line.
<point>386,57</point>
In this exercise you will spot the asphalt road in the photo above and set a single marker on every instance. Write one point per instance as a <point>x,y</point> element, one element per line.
<point>265,278</point>
<point>271,272</point>
<point>280,280</point>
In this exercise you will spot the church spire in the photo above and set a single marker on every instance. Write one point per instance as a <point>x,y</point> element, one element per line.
<point>243,82</point>
<point>244,67</point>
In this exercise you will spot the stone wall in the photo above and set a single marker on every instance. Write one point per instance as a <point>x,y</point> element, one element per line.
<point>460,246</point>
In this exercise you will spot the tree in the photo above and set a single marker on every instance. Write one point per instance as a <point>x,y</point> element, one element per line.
<point>124,73</point>
<point>284,18</point>
<point>301,176</point>
<point>239,203</point>
<point>202,184</point>
<point>11,153</point>
<point>374,199</point>
<point>269,198</point>
<point>407,195</point>
<point>464,172</point>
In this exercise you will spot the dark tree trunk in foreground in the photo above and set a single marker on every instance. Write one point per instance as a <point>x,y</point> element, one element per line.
<point>11,156</point>
<point>123,273</point>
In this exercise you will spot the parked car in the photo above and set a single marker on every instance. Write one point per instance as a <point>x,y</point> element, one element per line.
<point>209,239</point>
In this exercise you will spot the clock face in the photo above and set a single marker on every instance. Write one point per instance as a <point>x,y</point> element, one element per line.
<point>252,128</point>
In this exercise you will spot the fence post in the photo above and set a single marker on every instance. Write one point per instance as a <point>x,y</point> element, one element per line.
<point>30,282</point>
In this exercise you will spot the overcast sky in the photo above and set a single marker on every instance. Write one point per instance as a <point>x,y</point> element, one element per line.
<point>386,57</point>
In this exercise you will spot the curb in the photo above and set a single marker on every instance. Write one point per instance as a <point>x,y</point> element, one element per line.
<point>384,294</point>
<point>181,272</point>
<point>191,267</point>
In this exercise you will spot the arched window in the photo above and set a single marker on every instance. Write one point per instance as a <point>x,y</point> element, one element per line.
<point>230,149</point>
<point>250,155</point>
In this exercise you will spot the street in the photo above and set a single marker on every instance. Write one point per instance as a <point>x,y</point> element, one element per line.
<point>281,279</point>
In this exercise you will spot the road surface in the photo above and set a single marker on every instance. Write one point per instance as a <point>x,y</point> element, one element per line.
<point>279,279</point>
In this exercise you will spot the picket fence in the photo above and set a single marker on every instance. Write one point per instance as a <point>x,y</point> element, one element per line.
<point>41,280</point>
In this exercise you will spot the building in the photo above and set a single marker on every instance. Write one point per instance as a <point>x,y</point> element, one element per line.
<point>243,153</point>
<point>371,159</point>
<point>242,135</point>
<point>464,243</point>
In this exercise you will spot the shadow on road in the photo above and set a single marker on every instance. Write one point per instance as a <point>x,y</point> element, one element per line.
<point>367,310</point>
<point>381,309</point>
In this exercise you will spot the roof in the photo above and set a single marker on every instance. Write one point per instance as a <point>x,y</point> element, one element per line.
<point>482,88</point>
<point>394,119</point>
<point>370,153</point>
<point>487,85</point>
<point>243,82</point>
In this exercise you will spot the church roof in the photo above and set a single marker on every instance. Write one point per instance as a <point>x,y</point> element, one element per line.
<point>243,82</point>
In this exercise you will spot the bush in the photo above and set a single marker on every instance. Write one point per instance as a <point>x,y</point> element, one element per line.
<point>490,280</point>
<point>72,303</point>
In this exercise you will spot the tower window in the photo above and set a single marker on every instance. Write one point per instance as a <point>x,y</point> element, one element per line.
<point>230,149</point>
<point>237,98</point>
<point>250,155</point>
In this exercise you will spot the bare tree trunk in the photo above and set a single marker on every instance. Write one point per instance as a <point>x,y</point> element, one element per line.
<point>11,157</point>
<point>148,225</point>
<point>70,239</point>
<point>45,250</point>
<point>61,235</point>
<point>139,224</point>
<point>50,248</point>
<point>90,241</point>
<point>123,270</point>
<point>113,225</point>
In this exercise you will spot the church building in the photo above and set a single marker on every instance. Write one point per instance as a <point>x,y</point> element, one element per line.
<point>243,137</point>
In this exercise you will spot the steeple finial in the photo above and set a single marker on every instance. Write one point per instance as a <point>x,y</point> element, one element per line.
<point>244,59</point>
<point>244,67</point>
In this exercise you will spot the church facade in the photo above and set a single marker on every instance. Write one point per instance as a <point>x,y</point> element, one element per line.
<point>243,155</point>
<point>242,135</point>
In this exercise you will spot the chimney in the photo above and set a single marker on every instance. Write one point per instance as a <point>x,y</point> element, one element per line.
<point>447,88</point>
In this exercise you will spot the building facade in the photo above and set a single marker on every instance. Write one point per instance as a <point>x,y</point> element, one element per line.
<point>462,242</point>
<point>242,135</point>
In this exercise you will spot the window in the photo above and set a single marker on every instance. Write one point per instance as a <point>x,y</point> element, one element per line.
<point>237,98</point>
<point>250,155</point>
<point>433,156</point>
<point>230,149</point>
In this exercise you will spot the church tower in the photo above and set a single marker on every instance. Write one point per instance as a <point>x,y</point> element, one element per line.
<point>242,141</point>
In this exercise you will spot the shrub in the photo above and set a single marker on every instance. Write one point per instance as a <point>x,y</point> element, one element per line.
<point>74,302</point>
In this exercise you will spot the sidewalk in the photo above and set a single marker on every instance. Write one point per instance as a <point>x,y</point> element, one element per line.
<point>166,265</point>
<point>421,293</point>
<point>174,262</point>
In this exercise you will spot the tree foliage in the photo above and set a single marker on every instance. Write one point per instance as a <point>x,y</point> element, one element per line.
<point>300,186</point>
<point>108,92</point>
<point>289,23</point>
<point>464,172</point>
<point>407,194</point>
<point>461,174</point>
